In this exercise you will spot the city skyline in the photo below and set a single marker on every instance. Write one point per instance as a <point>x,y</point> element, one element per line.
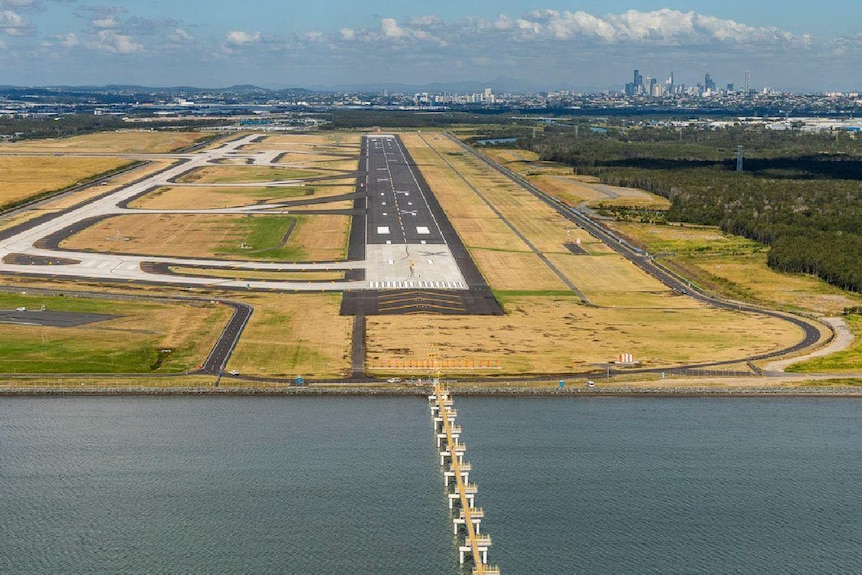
<point>519,46</point>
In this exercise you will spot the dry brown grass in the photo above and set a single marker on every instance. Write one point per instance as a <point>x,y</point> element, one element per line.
<point>129,141</point>
<point>557,334</point>
<point>559,181</point>
<point>25,177</point>
<point>185,197</point>
<point>195,236</point>
<point>70,200</point>
<point>204,198</point>
<point>260,275</point>
<point>492,242</point>
<point>296,334</point>
<point>322,163</point>
<point>332,142</point>
<point>505,260</point>
<point>322,238</point>
<point>246,174</point>
<point>516,271</point>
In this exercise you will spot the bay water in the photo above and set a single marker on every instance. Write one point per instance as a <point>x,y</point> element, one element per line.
<point>353,485</point>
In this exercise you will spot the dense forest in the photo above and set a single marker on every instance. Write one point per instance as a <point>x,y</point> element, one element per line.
<point>799,192</point>
<point>66,125</point>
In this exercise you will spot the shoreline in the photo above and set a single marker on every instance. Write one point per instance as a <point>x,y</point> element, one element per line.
<point>844,391</point>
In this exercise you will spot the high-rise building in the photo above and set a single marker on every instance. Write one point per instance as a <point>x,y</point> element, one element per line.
<point>708,83</point>
<point>636,86</point>
<point>747,82</point>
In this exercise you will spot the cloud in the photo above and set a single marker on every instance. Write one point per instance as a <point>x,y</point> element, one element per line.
<point>391,29</point>
<point>114,43</point>
<point>14,24</point>
<point>180,36</point>
<point>106,22</point>
<point>664,26</point>
<point>237,38</point>
<point>69,40</point>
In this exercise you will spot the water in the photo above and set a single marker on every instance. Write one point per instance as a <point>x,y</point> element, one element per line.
<point>352,485</point>
<point>213,485</point>
<point>631,485</point>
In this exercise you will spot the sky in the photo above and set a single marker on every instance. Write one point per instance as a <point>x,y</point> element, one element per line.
<point>583,45</point>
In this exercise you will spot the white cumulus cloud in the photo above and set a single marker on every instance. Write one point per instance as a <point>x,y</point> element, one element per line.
<point>114,43</point>
<point>242,38</point>
<point>13,23</point>
<point>391,29</point>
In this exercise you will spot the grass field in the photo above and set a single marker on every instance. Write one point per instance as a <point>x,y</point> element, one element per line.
<point>127,141</point>
<point>67,201</point>
<point>131,343</point>
<point>296,334</point>
<point>555,333</point>
<point>26,177</point>
<point>315,238</point>
<point>183,197</point>
<point>506,261</point>
<point>261,275</point>
<point>559,181</point>
<point>339,142</point>
<point>204,198</point>
<point>736,267</point>
<point>245,174</point>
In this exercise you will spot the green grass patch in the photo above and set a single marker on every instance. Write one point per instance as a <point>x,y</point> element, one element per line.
<point>837,382</point>
<point>849,360</point>
<point>263,236</point>
<point>133,341</point>
<point>29,352</point>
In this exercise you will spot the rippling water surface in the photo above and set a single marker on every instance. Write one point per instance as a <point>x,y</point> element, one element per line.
<point>220,485</point>
<point>352,485</point>
<point>631,485</point>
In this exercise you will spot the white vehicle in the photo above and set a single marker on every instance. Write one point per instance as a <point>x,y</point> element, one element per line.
<point>20,309</point>
<point>233,372</point>
<point>394,380</point>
